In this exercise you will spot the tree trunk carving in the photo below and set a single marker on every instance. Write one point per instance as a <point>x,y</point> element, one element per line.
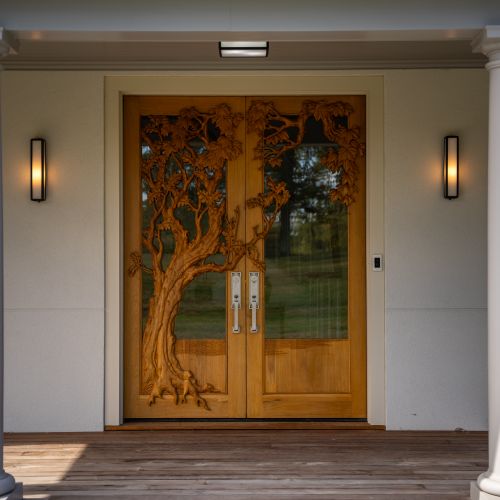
<point>184,160</point>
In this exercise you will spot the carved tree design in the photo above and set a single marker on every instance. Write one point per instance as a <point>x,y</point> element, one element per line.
<point>280,133</point>
<point>183,168</point>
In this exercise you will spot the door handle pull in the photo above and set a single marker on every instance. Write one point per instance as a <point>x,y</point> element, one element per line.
<point>236,299</point>
<point>254,299</point>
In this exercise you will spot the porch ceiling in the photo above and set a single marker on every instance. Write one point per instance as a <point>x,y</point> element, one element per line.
<point>199,50</point>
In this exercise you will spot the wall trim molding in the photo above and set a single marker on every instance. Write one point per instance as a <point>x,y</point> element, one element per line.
<point>333,65</point>
<point>243,83</point>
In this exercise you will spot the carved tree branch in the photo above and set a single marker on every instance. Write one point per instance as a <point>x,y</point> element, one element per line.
<point>282,133</point>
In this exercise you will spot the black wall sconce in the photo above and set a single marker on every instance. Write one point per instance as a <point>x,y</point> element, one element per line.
<point>451,167</point>
<point>38,169</point>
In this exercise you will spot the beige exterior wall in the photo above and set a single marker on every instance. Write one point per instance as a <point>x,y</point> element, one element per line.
<point>54,271</point>
<point>436,333</point>
<point>431,316</point>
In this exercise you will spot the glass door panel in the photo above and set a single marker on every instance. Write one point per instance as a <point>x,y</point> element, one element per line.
<point>183,173</point>
<point>311,344</point>
<point>307,252</point>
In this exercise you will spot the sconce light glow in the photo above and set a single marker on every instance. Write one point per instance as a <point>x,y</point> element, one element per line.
<point>38,169</point>
<point>451,167</point>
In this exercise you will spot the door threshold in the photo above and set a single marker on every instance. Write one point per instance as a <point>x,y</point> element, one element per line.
<point>244,424</point>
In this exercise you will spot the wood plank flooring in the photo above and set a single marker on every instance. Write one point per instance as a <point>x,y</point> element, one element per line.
<point>247,464</point>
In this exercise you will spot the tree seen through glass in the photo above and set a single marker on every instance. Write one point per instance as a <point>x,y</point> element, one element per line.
<point>307,252</point>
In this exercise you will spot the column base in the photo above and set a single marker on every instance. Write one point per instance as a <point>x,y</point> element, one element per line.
<point>16,494</point>
<point>477,494</point>
<point>7,483</point>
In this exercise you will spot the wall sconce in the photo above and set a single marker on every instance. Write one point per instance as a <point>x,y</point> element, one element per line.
<point>243,49</point>
<point>38,169</point>
<point>450,167</point>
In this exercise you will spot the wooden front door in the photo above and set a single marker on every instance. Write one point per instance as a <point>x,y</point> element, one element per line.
<point>244,250</point>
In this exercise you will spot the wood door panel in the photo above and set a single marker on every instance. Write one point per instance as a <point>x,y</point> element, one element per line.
<point>206,358</point>
<point>303,376</point>
<point>312,405</point>
<point>197,142</point>
<point>304,367</point>
<point>307,366</point>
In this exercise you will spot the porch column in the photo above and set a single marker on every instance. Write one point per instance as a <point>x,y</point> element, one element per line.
<point>488,483</point>
<point>7,482</point>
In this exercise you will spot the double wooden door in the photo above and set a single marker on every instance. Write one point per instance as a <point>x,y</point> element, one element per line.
<point>244,250</point>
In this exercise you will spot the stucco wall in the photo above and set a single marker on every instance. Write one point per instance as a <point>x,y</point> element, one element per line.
<point>54,251</point>
<point>435,252</point>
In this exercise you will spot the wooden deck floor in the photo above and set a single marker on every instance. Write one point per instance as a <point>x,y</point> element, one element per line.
<point>249,464</point>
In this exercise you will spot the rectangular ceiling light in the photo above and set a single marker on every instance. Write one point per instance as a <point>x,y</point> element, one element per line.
<point>243,49</point>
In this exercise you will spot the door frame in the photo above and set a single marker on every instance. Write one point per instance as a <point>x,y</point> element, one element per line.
<point>293,83</point>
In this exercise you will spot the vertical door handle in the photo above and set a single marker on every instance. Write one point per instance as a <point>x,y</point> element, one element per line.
<point>254,298</point>
<point>236,299</point>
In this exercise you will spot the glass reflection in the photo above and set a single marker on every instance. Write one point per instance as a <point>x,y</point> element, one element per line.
<point>307,252</point>
<point>202,313</point>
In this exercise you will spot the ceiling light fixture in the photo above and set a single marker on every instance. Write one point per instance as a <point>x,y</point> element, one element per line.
<point>243,49</point>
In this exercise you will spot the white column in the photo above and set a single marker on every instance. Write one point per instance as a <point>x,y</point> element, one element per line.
<point>488,483</point>
<point>7,482</point>
<point>8,488</point>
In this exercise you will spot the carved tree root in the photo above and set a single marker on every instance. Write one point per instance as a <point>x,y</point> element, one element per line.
<point>162,370</point>
<point>180,389</point>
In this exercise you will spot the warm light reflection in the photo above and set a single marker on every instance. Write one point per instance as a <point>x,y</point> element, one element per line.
<point>452,174</point>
